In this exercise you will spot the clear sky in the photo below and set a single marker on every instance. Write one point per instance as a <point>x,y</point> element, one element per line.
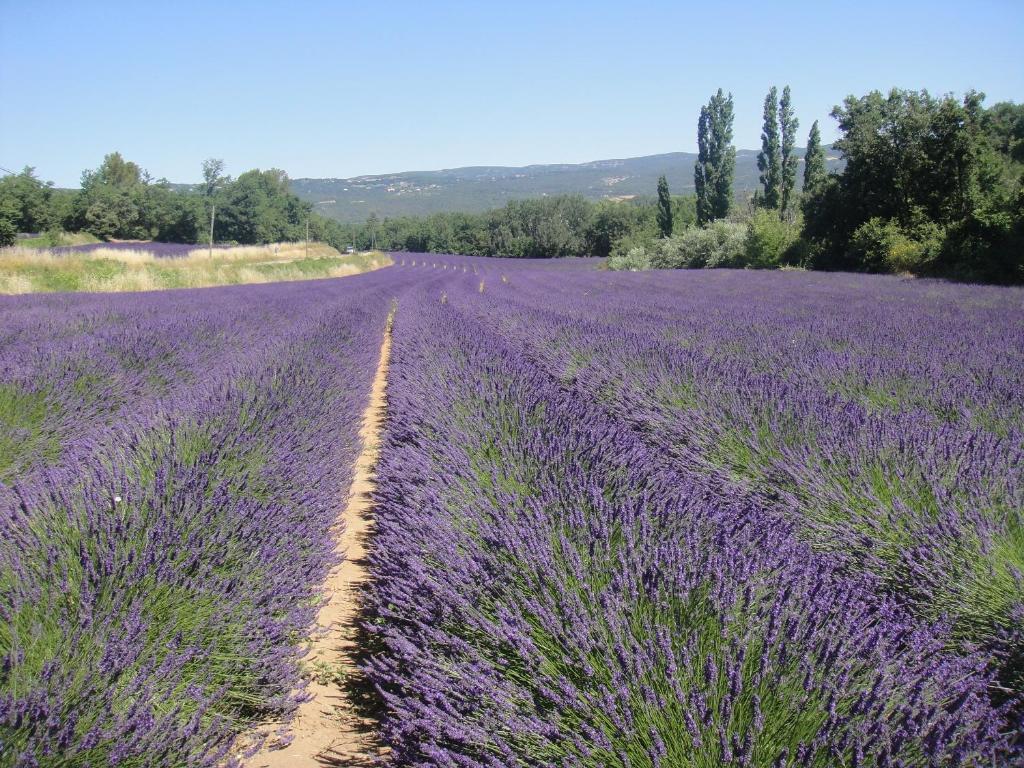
<point>342,89</point>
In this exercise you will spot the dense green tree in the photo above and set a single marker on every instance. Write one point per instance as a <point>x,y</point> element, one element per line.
<point>716,159</point>
<point>769,158</point>
<point>1004,125</point>
<point>114,172</point>
<point>110,216</point>
<point>28,201</point>
<point>702,169</point>
<point>111,201</point>
<point>541,228</point>
<point>883,142</point>
<point>664,215</point>
<point>173,216</point>
<point>213,176</point>
<point>814,160</point>
<point>684,212</point>
<point>9,216</point>
<point>259,207</point>
<point>611,221</point>
<point>922,177</point>
<point>788,126</point>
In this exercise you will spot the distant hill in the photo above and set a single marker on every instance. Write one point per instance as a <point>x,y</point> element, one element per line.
<point>478,188</point>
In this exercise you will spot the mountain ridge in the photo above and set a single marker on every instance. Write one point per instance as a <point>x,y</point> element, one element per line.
<point>480,187</point>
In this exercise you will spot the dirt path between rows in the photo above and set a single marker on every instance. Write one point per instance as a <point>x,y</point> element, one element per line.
<point>327,730</point>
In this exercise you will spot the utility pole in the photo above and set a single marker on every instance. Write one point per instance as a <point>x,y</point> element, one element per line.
<point>307,237</point>
<point>213,211</point>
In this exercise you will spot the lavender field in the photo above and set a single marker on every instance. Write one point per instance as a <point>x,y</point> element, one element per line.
<point>656,519</point>
<point>169,466</point>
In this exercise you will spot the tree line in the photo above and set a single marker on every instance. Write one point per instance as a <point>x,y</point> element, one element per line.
<point>548,227</point>
<point>930,186</point>
<point>119,200</point>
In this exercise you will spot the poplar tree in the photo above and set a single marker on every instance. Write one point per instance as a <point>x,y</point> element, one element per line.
<point>664,213</point>
<point>814,160</point>
<point>716,159</point>
<point>768,159</point>
<point>789,125</point>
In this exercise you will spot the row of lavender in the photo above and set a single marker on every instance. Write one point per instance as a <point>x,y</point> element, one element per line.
<point>171,465</point>
<point>588,553</point>
<point>883,418</point>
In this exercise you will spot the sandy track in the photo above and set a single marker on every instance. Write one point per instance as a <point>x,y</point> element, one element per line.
<point>327,729</point>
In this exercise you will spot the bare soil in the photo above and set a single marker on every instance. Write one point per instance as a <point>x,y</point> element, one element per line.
<point>329,728</point>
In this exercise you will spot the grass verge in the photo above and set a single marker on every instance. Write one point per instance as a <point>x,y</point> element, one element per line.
<point>28,270</point>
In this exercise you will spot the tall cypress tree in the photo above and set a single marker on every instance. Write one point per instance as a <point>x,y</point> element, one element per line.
<point>702,168</point>
<point>726,154</point>
<point>814,161</point>
<point>789,125</point>
<point>716,159</point>
<point>664,213</point>
<point>768,159</point>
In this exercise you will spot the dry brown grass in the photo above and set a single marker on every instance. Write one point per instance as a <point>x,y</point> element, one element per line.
<point>28,270</point>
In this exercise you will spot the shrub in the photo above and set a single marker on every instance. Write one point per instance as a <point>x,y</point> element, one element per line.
<point>882,245</point>
<point>720,244</point>
<point>54,237</point>
<point>627,242</point>
<point>636,259</point>
<point>989,246</point>
<point>768,240</point>
<point>762,242</point>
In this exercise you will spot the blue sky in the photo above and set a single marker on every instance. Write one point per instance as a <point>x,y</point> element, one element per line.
<point>341,89</point>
